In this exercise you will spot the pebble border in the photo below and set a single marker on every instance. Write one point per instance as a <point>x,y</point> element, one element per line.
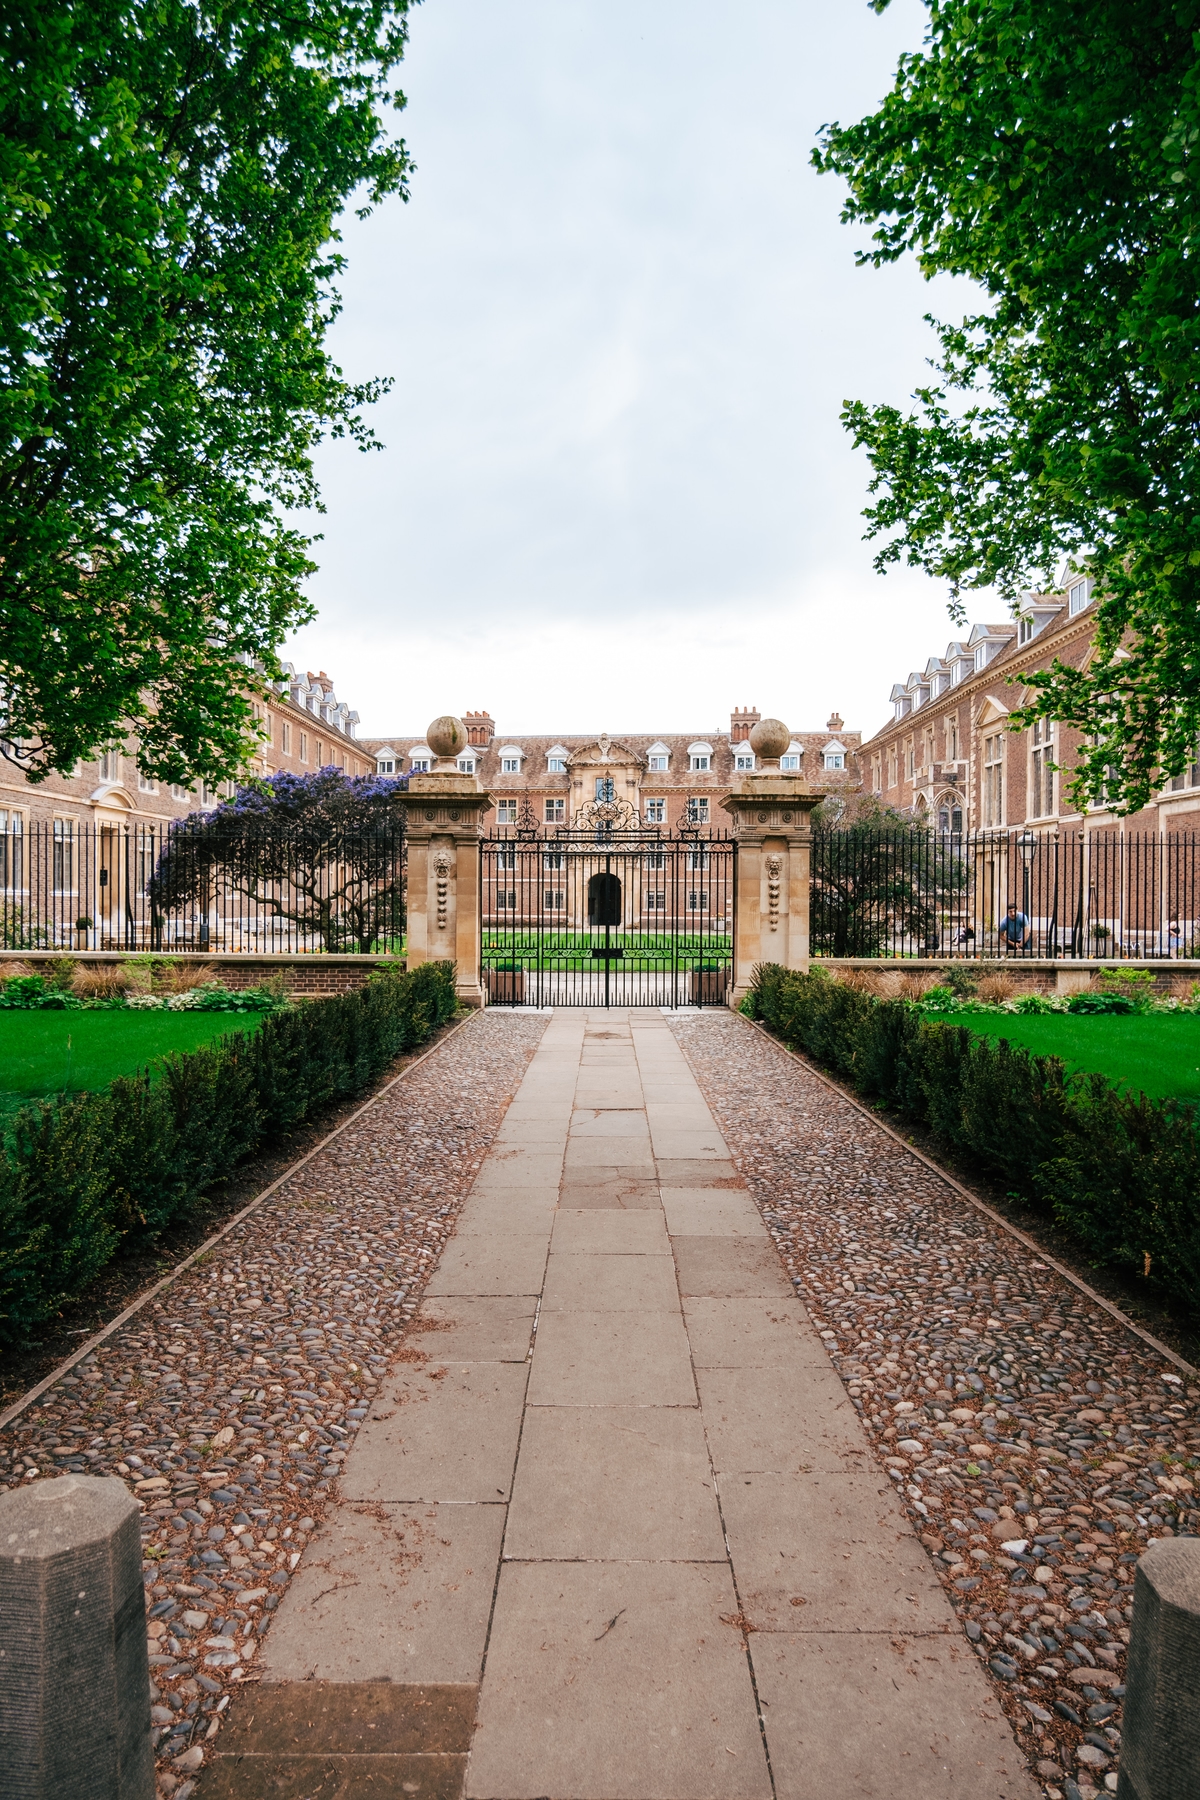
<point>1037,1437</point>
<point>229,1404</point>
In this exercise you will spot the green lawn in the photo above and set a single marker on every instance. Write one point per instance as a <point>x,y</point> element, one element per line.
<point>37,1058</point>
<point>1152,1053</point>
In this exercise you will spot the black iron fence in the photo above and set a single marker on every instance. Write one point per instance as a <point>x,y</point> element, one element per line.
<point>257,888</point>
<point>896,891</point>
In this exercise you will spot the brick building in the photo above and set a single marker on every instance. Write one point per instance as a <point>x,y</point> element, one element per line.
<point>670,780</point>
<point>303,727</point>
<point>948,753</point>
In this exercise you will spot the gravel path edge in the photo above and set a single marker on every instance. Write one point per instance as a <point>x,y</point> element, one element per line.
<point>64,1368</point>
<point>982,1206</point>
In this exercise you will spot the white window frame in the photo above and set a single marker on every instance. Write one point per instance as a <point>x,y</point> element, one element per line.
<point>506,812</point>
<point>557,765</point>
<point>656,810</point>
<point>510,765</point>
<point>1078,596</point>
<point>556,809</point>
<point>466,765</point>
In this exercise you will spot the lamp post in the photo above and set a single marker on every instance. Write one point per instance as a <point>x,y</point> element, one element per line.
<point>1027,844</point>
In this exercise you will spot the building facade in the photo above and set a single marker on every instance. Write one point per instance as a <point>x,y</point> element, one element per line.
<point>949,754</point>
<point>670,780</point>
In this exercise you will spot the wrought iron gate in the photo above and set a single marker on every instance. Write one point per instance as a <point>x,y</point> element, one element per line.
<point>596,915</point>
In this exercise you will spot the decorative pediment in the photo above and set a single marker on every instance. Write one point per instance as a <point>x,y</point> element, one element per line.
<point>606,753</point>
<point>992,712</point>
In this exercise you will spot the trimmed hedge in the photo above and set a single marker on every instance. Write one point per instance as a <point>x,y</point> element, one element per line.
<point>81,1177</point>
<point>1119,1172</point>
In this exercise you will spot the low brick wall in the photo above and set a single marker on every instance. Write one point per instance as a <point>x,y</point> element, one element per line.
<point>302,974</point>
<point>1042,975</point>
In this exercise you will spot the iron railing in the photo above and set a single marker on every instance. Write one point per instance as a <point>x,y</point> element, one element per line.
<point>899,891</point>
<point>67,885</point>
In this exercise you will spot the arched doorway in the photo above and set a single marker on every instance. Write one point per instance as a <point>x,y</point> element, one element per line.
<point>604,900</point>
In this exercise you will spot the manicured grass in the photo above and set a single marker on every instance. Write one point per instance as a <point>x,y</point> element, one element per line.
<point>1151,1053</point>
<point>35,1057</point>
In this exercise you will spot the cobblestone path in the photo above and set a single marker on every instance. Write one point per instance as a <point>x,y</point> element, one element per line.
<point>227,1403</point>
<point>1037,1443</point>
<point>612,1530</point>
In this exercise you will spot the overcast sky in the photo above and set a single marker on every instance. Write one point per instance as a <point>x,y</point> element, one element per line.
<point>621,316</point>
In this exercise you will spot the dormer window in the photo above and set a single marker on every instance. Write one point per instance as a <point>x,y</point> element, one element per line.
<point>385,765</point>
<point>658,759</point>
<point>420,765</point>
<point>511,757</point>
<point>792,758</point>
<point>1025,630</point>
<point>743,756</point>
<point>556,759</point>
<point>420,759</point>
<point>834,756</point>
<point>466,765</point>
<point>1077,597</point>
<point>700,758</point>
<point>981,657</point>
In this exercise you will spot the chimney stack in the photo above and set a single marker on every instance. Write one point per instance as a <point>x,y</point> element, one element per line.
<point>481,729</point>
<point>835,722</point>
<point>742,721</point>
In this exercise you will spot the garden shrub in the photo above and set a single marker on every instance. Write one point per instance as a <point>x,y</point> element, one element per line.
<point>1119,1172</point>
<point>81,1177</point>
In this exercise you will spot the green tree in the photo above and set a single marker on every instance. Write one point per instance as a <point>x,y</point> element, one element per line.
<point>881,880</point>
<point>171,174</point>
<point>322,853</point>
<point>1049,150</point>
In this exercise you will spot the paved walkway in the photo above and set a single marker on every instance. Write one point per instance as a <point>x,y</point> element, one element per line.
<point>615,1532</point>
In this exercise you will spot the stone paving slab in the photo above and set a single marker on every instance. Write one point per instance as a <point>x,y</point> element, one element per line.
<point>441,1433</point>
<point>617,1680</point>
<point>392,1593</point>
<point>863,1718</point>
<point>630,1483</point>
<point>733,1268</point>
<point>875,1578</point>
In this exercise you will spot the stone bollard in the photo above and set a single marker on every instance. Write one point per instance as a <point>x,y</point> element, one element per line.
<point>1160,1735</point>
<point>74,1670</point>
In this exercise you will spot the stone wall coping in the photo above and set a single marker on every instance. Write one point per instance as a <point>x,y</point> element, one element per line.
<point>1158,965</point>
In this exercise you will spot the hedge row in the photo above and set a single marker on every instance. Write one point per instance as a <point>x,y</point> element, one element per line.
<point>1118,1172</point>
<point>80,1178</point>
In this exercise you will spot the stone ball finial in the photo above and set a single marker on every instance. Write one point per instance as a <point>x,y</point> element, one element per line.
<point>769,739</point>
<point>446,736</point>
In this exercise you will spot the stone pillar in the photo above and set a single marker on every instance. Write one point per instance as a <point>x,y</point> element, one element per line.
<point>445,809</point>
<point>1160,1732</point>
<point>771,814</point>
<point>74,1669</point>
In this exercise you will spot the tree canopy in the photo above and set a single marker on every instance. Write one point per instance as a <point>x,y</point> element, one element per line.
<point>171,174</point>
<point>325,852</point>
<point>1049,150</point>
